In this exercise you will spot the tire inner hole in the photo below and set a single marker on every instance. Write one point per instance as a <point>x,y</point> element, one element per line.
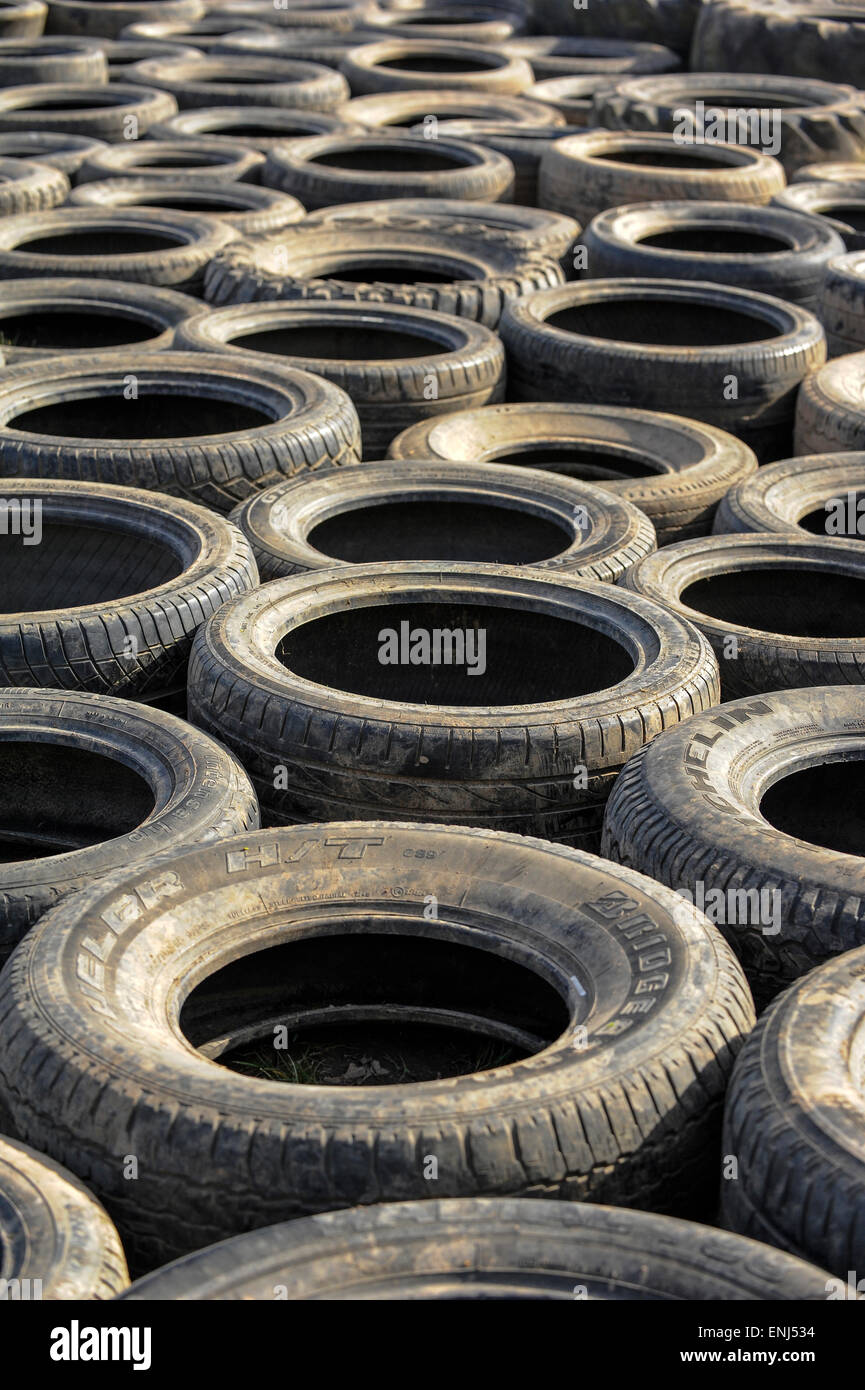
<point>390,161</point>
<point>669,323</point>
<point>717,241</point>
<point>589,465</point>
<point>73,328</point>
<point>101,243</point>
<point>342,342</point>
<point>794,602</point>
<point>823,804</point>
<point>841,516</point>
<point>153,415</point>
<point>438,529</point>
<point>74,564</point>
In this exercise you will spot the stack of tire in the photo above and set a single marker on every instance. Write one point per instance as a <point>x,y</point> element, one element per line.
<point>432,454</point>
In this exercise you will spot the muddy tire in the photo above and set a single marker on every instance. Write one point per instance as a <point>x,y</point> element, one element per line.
<point>50,60</point>
<point>471,278</point>
<point>26,187</point>
<point>800,40</point>
<point>523,146</point>
<point>397,510</point>
<point>576,57</point>
<point>668,22</point>
<point>830,408</point>
<point>213,160</point>
<point>218,428</point>
<point>586,174</point>
<point>257,127</point>
<point>804,495</point>
<point>109,112</point>
<point>58,1242</point>
<point>842,304</point>
<point>445,103</point>
<point>625,342</point>
<point>392,741</point>
<point>840,206</point>
<point>384,165</point>
<point>398,365</point>
<point>234,81</point>
<point>144,782</point>
<point>22,19</point>
<point>617,1104</point>
<point>248,209</point>
<point>405,65</point>
<point>64,152</point>
<point>682,813</point>
<point>107,17</point>
<point>840,172</point>
<point>675,470</point>
<point>41,318</point>
<point>770,250</point>
<point>794,1108</point>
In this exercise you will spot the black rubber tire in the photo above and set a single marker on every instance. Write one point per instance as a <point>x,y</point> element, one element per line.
<point>830,408</point>
<point>581,176</point>
<point>782,495</point>
<point>302,422</point>
<point>842,304</point>
<point>372,68</point>
<point>22,19</point>
<point>200,35</point>
<point>186,245</point>
<point>600,535</point>
<point>840,172</point>
<point>818,120</point>
<point>58,1243</point>
<point>445,103</point>
<point>62,309</point>
<point>333,14</point>
<point>437,362</point>
<point>679,813</point>
<point>193,161</point>
<point>523,146</point>
<point>572,97</point>
<point>64,152</point>
<point>675,470</point>
<point>795,1109</point>
<point>508,766</point>
<point>248,124</point>
<point>321,46</point>
<point>577,57</point>
<point>459,23</point>
<point>23,62</point>
<point>485,1248</point>
<point>184,562</point>
<point>781,636</point>
<point>305,263</point>
<point>123,53</point>
<point>106,18</point>
<point>117,107</point>
<point>840,206</point>
<point>668,22</point>
<point>621,1105</point>
<point>387,165</point>
<point>770,250</point>
<point>234,81</point>
<point>800,40</point>
<point>747,387</point>
<point>186,790</point>
<point>30,187</point>
<point>245,207</point>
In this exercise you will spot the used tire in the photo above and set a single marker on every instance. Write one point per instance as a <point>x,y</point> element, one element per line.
<point>675,470</point>
<point>523,146</point>
<point>781,611</point>
<point>248,209</point>
<point>769,250</point>
<point>799,40</point>
<point>233,81</point>
<point>444,103</point>
<point>23,62</point>
<point>64,152</point>
<point>795,1108</point>
<point>572,97</point>
<point>586,174</point>
<point>146,246</point>
<point>744,808</point>
<point>327,169</point>
<point>657,21</point>
<point>453,22</point>
<point>404,65</point>
<point>30,187</point>
<point>123,53</point>
<point>106,18</point>
<point>729,357</point>
<point>842,304</point>
<point>821,495</point>
<point>43,317</point>
<point>206,427</point>
<point>257,127</point>
<point>817,120</point>
<point>574,57</point>
<point>485,1248</point>
<point>22,18</point>
<point>832,173</point>
<point>396,510</point>
<point>616,1104</point>
<point>837,205</point>
<point>398,365</point>
<point>471,277</point>
<point>392,741</point>
<point>106,112</point>
<point>226,161</point>
<point>830,408</point>
<point>144,782</point>
<point>58,1242</point>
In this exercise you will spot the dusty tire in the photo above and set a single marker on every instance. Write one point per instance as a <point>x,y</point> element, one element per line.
<point>50,60</point>
<point>327,169</point>
<point>840,206</point>
<point>842,304</point>
<point>41,318</point>
<point>123,53</point>
<point>471,278</point>
<point>524,146</point>
<point>586,174</point>
<point>805,495</point>
<point>213,160</point>
<point>668,22</point>
<point>781,611</point>
<point>58,1242</point>
<point>145,782</point>
<point>575,57</point>
<point>255,425</point>
<point>30,187</point>
<point>405,65</point>
<point>108,17</point>
<point>452,22</point>
<point>22,19</point>
<point>398,365</point>
<point>833,173</point>
<point>675,470</point>
<point>64,152</point>
<point>627,342</point>
<point>770,250</point>
<point>143,245</point>
<point>248,209</point>
<point>485,1248</point>
<point>800,40</point>
<point>233,81</point>
<point>795,1108</point>
<point>683,813</point>
<point>432,510</point>
<point>394,745</point>
<point>445,103</point>
<point>572,97</point>
<point>618,1105</point>
<point>257,127</point>
<point>111,110</point>
<point>830,409</point>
